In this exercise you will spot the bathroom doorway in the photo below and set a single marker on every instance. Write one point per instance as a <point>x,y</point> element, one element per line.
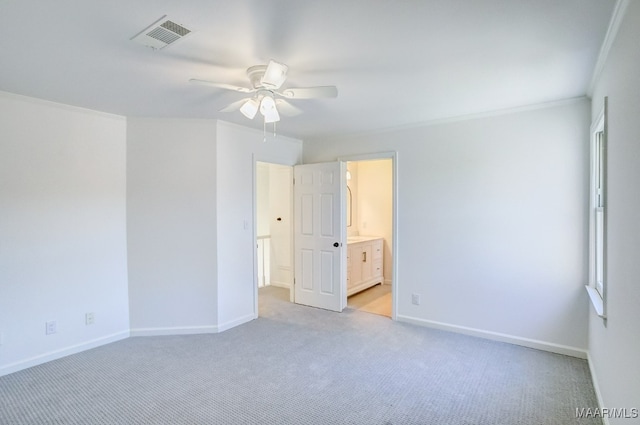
<point>370,227</point>
<point>373,194</point>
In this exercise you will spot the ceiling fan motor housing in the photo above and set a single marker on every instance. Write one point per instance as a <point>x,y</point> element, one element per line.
<point>255,74</point>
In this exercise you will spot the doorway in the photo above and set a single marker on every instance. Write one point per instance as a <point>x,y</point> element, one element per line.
<point>370,234</point>
<point>264,226</point>
<point>274,230</point>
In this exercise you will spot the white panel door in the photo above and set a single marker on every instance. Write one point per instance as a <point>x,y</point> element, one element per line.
<point>320,235</point>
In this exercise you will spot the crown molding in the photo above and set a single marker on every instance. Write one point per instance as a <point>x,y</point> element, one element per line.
<point>614,25</point>
<point>62,106</point>
<point>455,119</point>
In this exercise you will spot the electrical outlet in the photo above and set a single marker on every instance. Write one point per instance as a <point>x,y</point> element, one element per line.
<point>89,318</point>
<point>51,327</point>
<point>415,299</point>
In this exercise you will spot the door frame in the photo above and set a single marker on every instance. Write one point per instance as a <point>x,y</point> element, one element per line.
<point>393,155</point>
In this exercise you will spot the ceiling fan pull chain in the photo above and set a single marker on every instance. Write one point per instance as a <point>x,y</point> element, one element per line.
<point>264,131</point>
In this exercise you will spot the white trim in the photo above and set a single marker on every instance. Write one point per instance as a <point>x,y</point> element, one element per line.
<point>596,301</point>
<point>497,336</point>
<point>57,105</point>
<point>612,31</point>
<point>235,322</point>
<point>63,352</point>
<point>192,330</point>
<point>596,388</point>
<point>369,156</point>
<point>186,330</point>
<point>456,118</point>
<point>78,348</point>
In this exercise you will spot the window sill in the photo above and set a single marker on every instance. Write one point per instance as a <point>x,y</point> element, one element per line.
<point>596,301</point>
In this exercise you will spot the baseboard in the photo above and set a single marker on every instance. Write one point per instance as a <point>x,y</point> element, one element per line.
<point>596,388</point>
<point>192,330</point>
<point>388,282</point>
<point>496,336</point>
<point>235,322</point>
<point>176,330</point>
<point>57,354</point>
<point>74,349</point>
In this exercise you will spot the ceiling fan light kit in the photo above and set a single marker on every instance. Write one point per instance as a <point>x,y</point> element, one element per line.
<point>266,81</point>
<point>250,108</point>
<point>268,109</point>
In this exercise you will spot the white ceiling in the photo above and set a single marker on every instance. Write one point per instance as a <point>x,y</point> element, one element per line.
<point>395,62</point>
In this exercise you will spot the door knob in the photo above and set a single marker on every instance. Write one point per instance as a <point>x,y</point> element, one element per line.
<point>336,244</point>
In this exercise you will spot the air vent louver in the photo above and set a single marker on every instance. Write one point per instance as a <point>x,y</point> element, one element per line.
<point>161,33</point>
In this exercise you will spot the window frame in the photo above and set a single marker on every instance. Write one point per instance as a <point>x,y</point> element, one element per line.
<point>597,287</point>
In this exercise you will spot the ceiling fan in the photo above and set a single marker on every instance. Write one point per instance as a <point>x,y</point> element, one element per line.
<point>267,95</point>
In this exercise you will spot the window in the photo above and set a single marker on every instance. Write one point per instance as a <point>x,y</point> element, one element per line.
<point>598,189</point>
<point>597,214</point>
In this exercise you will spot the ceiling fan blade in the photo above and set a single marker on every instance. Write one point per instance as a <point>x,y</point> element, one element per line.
<point>222,86</point>
<point>232,107</point>
<point>287,109</point>
<point>311,92</point>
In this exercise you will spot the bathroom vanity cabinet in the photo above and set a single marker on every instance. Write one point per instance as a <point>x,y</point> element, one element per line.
<point>364,263</point>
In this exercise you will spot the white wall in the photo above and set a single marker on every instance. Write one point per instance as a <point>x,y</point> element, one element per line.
<point>62,230</point>
<point>614,346</point>
<point>491,222</point>
<point>238,149</point>
<point>171,213</point>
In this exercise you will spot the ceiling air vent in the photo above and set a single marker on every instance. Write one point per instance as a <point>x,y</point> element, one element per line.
<point>161,33</point>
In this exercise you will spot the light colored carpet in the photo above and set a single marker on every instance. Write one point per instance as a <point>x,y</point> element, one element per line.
<point>300,365</point>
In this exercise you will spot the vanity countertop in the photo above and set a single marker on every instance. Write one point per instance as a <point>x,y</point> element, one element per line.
<point>356,239</point>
